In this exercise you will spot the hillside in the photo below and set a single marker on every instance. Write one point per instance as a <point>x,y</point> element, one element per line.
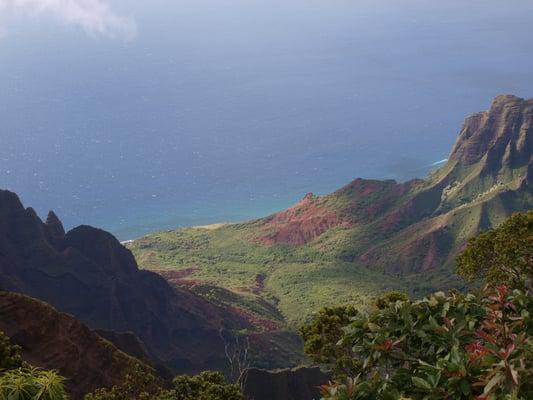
<point>365,238</point>
<point>86,272</point>
<point>54,340</point>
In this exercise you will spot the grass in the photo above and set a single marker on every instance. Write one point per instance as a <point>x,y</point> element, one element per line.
<point>303,289</point>
<point>298,280</point>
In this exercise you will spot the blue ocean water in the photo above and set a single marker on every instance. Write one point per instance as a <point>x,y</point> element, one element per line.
<point>228,110</point>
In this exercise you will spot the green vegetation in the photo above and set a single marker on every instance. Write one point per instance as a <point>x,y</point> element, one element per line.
<point>20,381</point>
<point>366,238</point>
<point>442,347</point>
<point>503,254</point>
<point>139,384</point>
<point>454,346</point>
<point>296,280</point>
<point>390,297</point>
<point>205,386</point>
<point>31,384</point>
<point>322,338</point>
<point>10,357</point>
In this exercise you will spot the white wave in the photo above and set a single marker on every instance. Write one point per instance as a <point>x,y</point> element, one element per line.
<point>439,162</point>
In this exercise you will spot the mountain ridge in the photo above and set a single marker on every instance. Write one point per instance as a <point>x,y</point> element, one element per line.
<point>369,230</point>
<point>495,144</point>
<point>86,272</point>
<point>53,340</point>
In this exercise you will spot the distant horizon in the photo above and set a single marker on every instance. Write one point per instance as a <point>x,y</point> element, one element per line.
<point>429,168</point>
<point>137,117</point>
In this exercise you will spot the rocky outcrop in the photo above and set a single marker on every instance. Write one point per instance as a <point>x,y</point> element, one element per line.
<point>89,274</point>
<point>288,384</point>
<point>420,225</point>
<point>483,183</point>
<point>503,133</point>
<point>359,202</point>
<point>54,225</point>
<point>54,340</point>
<point>299,224</point>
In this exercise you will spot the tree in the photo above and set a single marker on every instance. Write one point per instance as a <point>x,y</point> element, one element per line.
<point>501,255</point>
<point>390,297</point>
<point>207,385</point>
<point>442,347</point>
<point>139,383</point>
<point>10,357</point>
<point>236,349</point>
<point>20,381</point>
<point>322,340</point>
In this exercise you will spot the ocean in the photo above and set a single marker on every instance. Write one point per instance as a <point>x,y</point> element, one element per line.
<point>218,111</point>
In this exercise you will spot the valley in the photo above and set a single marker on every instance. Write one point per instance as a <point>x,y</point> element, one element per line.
<point>233,297</point>
<point>364,239</point>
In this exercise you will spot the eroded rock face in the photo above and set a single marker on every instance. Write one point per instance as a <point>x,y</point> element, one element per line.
<point>288,384</point>
<point>486,179</point>
<point>299,224</point>
<point>359,202</point>
<point>54,340</point>
<point>421,225</point>
<point>88,273</point>
<point>506,127</point>
<point>54,225</point>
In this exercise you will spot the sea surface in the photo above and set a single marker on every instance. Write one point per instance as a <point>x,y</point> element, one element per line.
<point>216,111</point>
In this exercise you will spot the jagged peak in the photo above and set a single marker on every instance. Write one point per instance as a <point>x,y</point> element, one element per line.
<point>103,248</point>
<point>509,119</point>
<point>506,100</point>
<point>9,202</point>
<point>54,224</point>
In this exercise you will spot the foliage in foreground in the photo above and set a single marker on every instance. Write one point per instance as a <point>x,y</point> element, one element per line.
<point>31,384</point>
<point>321,338</point>
<point>19,381</point>
<point>205,386</point>
<point>476,346</point>
<point>140,385</point>
<point>442,347</point>
<point>501,255</point>
<point>10,357</point>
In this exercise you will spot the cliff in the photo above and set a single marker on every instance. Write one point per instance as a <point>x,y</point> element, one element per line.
<point>370,235</point>
<point>54,340</point>
<point>87,273</point>
<point>286,384</point>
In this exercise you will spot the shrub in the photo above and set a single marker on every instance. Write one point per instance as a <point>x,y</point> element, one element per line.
<point>10,357</point>
<point>139,383</point>
<point>19,381</point>
<point>322,336</point>
<point>207,385</point>
<point>390,297</point>
<point>31,384</point>
<point>443,347</point>
<point>501,255</point>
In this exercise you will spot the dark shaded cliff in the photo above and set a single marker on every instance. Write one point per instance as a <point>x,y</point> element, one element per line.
<point>286,384</point>
<point>54,340</point>
<point>89,274</point>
